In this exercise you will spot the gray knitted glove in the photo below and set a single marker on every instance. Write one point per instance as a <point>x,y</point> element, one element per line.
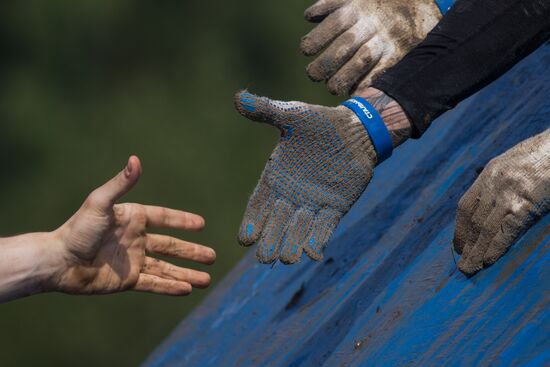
<point>322,164</point>
<point>511,193</point>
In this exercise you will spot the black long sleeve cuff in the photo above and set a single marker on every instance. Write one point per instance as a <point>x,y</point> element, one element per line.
<point>474,44</point>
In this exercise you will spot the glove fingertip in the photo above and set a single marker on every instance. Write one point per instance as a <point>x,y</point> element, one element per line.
<point>319,11</point>
<point>458,243</point>
<point>244,242</point>
<point>308,46</point>
<point>255,108</point>
<point>314,72</point>
<point>291,254</point>
<point>249,232</point>
<point>338,87</point>
<point>314,248</point>
<point>266,254</point>
<point>313,15</point>
<point>492,255</point>
<point>246,102</point>
<point>315,252</point>
<point>468,267</point>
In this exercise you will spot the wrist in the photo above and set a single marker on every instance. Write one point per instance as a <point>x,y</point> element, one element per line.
<point>394,117</point>
<point>53,263</point>
<point>41,252</point>
<point>27,264</point>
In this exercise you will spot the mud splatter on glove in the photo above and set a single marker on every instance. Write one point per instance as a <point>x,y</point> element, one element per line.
<point>321,165</point>
<point>509,196</point>
<point>363,38</point>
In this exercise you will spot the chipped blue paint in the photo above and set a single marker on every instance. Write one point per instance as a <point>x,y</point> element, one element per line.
<point>388,292</point>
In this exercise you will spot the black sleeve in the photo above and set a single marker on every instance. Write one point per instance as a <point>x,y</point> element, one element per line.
<point>475,43</point>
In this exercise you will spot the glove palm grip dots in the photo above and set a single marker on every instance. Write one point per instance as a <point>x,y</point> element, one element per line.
<point>321,165</point>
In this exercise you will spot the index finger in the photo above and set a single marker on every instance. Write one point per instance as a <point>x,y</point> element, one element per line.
<point>161,217</point>
<point>318,11</point>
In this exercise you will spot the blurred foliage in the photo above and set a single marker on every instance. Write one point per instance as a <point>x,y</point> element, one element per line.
<point>86,83</point>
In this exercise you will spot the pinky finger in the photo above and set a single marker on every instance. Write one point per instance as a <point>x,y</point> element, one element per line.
<point>321,231</point>
<point>153,284</point>
<point>372,75</point>
<point>366,58</point>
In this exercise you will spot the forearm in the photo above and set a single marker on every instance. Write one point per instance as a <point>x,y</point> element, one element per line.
<point>394,117</point>
<point>474,44</point>
<point>25,264</point>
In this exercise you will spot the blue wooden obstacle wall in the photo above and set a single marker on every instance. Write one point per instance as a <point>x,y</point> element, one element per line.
<point>388,292</point>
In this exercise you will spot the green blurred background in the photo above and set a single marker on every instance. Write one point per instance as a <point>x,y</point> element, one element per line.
<point>84,84</point>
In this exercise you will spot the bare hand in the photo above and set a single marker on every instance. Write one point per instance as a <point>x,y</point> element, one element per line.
<point>102,248</point>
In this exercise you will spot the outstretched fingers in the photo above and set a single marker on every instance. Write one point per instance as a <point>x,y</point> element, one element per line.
<point>174,247</point>
<point>161,217</point>
<point>153,284</point>
<point>165,270</point>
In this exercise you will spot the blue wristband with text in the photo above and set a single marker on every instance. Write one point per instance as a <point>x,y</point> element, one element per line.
<point>444,5</point>
<point>371,120</point>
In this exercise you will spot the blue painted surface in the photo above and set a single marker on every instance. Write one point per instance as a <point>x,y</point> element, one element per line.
<point>388,292</point>
<point>444,5</point>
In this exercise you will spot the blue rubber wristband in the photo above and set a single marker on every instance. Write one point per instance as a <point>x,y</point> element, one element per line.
<point>371,120</point>
<point>444,5</point>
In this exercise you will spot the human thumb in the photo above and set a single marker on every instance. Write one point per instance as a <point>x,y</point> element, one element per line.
<point>263,109</point>
<point>105,196</point>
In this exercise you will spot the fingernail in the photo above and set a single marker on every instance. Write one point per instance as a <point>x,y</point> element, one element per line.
<point>128,170</point>
<point>212,256</point>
